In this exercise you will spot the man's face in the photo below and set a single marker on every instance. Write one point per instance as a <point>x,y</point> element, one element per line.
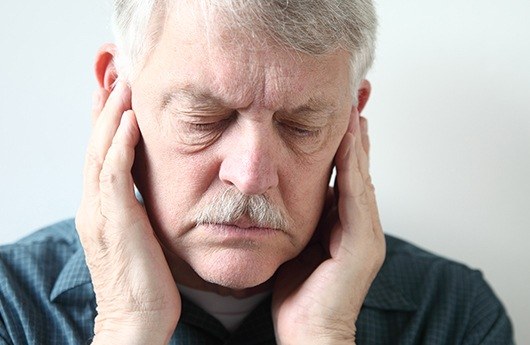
<point>263,121</point>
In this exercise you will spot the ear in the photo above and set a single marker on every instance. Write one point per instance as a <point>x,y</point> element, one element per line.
<point>105,66</point>
<point>363,94</point>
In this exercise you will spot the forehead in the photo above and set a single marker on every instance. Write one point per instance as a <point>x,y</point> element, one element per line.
<point>195,53</point>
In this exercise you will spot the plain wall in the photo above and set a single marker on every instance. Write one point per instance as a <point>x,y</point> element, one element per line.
<point>449,121</point>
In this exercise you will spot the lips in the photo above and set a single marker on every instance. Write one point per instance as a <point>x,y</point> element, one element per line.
<point>241,227</point>
<point>239,230</point>
<point>243,223</point>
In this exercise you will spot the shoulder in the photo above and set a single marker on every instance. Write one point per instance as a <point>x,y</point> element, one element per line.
<point>44,286</point>
<point>46,249</point>
<point>31,266</point>
<point>412,267</point>
<point>436,298</point>
<point>425,277</point>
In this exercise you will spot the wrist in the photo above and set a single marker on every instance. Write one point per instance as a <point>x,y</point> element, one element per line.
<point>142,331</point>
<point>319,339</point>
<point>130,337</point>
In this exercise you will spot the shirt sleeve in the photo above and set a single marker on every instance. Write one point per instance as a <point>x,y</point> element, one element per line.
<point>489,322</point>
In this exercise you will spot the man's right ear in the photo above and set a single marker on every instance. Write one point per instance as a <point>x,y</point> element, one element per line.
<point>105,66</point>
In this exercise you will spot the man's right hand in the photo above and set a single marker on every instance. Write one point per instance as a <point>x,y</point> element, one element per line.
<point>137,299</point>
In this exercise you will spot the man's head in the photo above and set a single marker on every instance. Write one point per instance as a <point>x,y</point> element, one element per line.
<point>241,106</point>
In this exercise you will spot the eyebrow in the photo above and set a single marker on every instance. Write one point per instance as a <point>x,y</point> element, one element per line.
<point>199,98</point>
<point>203,99</point>
<point>313,106</point>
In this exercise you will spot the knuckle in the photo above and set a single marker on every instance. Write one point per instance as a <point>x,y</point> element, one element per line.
<point>111,172</point>
<point>108,178</point>
<point>117,157</point>
<point>362,198</point>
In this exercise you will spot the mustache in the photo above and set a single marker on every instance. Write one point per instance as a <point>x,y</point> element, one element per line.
<point>231,205</point>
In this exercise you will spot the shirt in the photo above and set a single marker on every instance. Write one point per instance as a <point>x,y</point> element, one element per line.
<point>46,297</point>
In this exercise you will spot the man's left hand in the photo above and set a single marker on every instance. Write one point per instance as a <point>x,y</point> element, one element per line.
<point>318,295</point>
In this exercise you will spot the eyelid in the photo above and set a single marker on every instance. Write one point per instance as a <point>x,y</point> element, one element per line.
<point>200,113</point>
<point>299,129</point>
<point>208,124</point>
<point>310,119</point>
<point>302,132</point>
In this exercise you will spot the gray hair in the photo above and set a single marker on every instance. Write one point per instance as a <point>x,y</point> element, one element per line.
<point>314,27</point>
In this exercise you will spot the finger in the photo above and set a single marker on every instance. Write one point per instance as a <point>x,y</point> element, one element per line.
<point>116,182</point>
<point>360,148</point>
<point>341,151</point>
<point>99,98</point>
<point>104,130</point>
<point>363,160</point>
<point>353,205</point>
<point>364,135</point>
<point>107,122</point>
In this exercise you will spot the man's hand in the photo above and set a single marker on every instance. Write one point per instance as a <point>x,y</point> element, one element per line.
<point>137,299</point>
<point>318,295</point>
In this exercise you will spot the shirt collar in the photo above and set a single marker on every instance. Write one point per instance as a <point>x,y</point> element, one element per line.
<point>74,274</point>
<point>384,294</point>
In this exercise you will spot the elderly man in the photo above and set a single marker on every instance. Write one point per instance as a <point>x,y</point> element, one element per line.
<point>229,117</point>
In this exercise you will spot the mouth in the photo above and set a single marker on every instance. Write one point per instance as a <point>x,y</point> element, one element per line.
<point>244,223</point>
<point>241,229</point>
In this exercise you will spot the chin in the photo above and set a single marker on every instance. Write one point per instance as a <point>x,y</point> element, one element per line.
<point>236,270</point>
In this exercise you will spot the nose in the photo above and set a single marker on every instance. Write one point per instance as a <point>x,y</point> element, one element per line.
<point>250,162</point>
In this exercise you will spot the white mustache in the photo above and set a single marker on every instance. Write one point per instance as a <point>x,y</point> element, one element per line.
<point>231,205</point>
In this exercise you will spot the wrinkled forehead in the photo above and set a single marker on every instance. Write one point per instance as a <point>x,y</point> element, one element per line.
<point>198,48</point>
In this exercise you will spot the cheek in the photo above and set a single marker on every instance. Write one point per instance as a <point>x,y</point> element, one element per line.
<point>305,184</point>
<point>304,195</point>
<point>169,180</point>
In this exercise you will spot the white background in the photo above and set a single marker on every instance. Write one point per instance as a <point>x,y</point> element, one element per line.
<point>449,121</point>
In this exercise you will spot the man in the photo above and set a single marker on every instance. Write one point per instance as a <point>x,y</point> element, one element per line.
<point>229,116</point>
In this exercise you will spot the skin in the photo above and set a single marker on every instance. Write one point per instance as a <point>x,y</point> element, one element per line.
<point>254,136</point>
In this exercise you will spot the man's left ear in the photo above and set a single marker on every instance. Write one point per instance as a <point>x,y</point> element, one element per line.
<point>363,94</point>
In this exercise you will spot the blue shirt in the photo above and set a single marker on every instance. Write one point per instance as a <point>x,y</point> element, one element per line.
<point>46,297</point>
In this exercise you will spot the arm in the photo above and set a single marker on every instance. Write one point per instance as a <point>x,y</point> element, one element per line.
<point>137,299</point>
<point>318,296</point>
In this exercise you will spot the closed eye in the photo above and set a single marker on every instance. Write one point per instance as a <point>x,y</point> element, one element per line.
<point>300,131</point>
<point>206,127</point>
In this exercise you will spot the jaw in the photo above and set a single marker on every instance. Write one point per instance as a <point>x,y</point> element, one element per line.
<point>236,272</point>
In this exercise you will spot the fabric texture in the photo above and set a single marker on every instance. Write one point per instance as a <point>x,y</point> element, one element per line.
<point>46,297</point>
